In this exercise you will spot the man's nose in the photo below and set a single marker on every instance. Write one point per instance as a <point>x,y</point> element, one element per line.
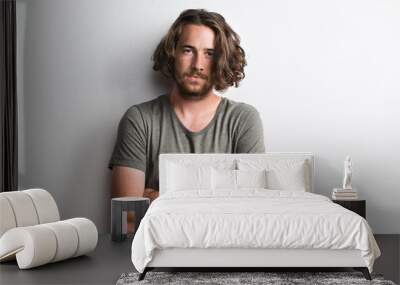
<point>198,63</point>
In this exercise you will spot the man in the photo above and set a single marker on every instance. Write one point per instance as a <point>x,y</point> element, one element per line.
<point>199,53</point>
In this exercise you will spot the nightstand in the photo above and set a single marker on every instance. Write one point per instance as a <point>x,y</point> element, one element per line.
<point>357,206</point>
<point>120,208</point>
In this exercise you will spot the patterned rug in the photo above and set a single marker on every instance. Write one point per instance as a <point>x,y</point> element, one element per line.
<point>269,278</point>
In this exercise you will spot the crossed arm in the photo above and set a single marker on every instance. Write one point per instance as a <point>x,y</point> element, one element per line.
<point>127,181</point>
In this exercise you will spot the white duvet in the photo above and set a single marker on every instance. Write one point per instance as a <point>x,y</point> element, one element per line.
<point>251,218</point>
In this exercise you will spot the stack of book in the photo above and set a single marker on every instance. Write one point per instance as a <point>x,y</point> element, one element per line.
<point>344,194</point>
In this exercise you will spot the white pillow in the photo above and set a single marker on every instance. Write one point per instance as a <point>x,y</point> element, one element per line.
<point>282,174</point>
<point>223,179</point>
<point>183,177</point>
<point>251,178</point>
<point>288,179</point>
<point>227,179</point>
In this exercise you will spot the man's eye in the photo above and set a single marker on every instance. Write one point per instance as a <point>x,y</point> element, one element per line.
<point>187,50</point>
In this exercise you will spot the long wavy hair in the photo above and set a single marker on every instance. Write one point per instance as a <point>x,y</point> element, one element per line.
<point>229,60</point>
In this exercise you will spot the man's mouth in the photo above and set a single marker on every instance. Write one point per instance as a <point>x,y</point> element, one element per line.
<point>196,76</point>
<point>193,77</point>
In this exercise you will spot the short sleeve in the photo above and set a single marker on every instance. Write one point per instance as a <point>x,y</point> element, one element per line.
<point>250,138</point>
<point>130,146</point>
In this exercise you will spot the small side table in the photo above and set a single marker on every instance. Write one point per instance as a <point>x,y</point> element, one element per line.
<point>357,206</point>
<point>120,207</point>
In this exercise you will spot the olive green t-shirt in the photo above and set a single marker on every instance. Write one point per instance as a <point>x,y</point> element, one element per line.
<point>150,128</point>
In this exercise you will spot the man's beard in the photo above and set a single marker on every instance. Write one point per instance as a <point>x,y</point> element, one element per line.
<point>188,93</point>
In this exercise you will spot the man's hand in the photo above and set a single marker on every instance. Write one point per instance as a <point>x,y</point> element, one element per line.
<point>150,193</point>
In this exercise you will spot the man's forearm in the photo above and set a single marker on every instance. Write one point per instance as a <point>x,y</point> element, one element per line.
<point>127,182</point>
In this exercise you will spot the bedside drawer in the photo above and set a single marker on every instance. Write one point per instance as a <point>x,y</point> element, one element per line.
<point>357,206</point>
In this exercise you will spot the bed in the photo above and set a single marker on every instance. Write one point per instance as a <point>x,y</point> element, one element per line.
<point>245,211</point>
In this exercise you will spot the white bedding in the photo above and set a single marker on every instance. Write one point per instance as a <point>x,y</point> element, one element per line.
<point>250,218</point>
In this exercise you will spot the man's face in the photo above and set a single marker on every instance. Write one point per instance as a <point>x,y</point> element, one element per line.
<point>194,58</point>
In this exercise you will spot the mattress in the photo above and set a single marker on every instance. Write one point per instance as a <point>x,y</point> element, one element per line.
<point>250,219</point>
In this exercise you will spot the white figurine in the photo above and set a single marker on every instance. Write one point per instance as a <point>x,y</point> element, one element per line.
<point>347,173</point>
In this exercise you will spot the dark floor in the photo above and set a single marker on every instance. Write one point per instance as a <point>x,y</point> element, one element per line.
<point>389,262</point>
<point>110,260</point>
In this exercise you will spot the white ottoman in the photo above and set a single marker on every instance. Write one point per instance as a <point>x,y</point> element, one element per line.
<point>31,232</point>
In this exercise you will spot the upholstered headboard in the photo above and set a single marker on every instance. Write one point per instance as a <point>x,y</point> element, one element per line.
<point>248,161</point>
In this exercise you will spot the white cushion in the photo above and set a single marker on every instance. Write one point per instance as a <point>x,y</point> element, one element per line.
<point>67,237</point>
<point>32,246</point>
<point>223,179</point>
<point>7,218</point>
<point>252,178</point>
<point>282,174</point>
<point>176,172</point>
<point>286,171</point>
<point>40,244</point>
<point>23,208</point>
<point>26,208</point>
<point>87,233</point>
<point>231,180</point>
<point>182,177</point>
<point>45,206</point>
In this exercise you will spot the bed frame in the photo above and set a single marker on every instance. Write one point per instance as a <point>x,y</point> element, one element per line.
<point>244,259</point>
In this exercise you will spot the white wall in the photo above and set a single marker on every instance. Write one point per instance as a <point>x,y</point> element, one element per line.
<point>323,74</point>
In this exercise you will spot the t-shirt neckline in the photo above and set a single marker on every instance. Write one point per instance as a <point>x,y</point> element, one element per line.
<point>186,130</point>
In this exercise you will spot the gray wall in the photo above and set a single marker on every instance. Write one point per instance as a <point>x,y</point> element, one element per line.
<point>323,74</point>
